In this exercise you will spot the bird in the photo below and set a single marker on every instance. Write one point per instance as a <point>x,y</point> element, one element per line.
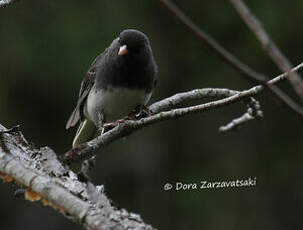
<point>119,81</point>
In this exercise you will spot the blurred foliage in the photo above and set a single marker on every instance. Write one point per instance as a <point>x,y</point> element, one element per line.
<point>46,48</point>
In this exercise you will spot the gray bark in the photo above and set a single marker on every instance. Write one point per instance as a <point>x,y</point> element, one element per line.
<point>40,171</point>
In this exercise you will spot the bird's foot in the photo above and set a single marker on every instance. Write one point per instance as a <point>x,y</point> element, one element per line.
<point>139,112</point>
<point>110,125</point>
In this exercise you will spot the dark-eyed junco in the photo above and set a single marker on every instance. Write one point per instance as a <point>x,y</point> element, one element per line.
<point>119,80</point>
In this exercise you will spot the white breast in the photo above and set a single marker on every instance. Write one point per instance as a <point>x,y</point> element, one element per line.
<point>114,104</point>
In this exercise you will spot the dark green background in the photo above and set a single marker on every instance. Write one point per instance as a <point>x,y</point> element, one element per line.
<point>46,48</point>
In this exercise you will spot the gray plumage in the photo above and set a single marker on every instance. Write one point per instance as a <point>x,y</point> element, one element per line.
<point>114,84</point>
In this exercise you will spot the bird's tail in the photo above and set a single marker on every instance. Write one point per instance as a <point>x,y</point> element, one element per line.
<point>86,131</point>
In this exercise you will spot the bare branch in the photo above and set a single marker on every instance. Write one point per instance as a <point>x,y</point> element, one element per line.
<point>285,75</point>
<point>227,57</point>
<point>86,150</point>
<point>273,51</point>
<point>253,112</point>
<point>214,45</point>
<point>4,3</point>
<point>196,94</point>
<point>235,123</point>
<point>39,170</point>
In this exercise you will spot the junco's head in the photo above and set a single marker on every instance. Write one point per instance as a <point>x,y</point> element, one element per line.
<point>133,43</point>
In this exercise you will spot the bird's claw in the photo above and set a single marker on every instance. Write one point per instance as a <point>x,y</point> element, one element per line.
<point>111,125</point>
<point>139,112</point>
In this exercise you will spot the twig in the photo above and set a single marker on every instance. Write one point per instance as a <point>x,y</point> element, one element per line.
<point>236,123</point>
<point>11,130</point>
<point>227,57</point>
<point>214,45</point>
<point>196,94</point>
<point>4,3</point>
<point>253,112</point>
<point>272,50</point>
<point>86,150</point>
<point>285,75</point>
<point>254,108</point>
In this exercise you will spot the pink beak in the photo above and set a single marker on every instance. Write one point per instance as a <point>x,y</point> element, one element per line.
<point>123,50</point>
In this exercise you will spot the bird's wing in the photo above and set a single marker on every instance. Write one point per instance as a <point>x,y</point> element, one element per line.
<point>85,88</point>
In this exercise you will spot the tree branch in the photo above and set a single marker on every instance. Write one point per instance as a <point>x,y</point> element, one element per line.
<point>160,113</point>
<point>86,150</point>
<point>272,50</point>
<point>253,112</point>
<point>4,3</point>
<point>228,58</point>
<point>45,178</point>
